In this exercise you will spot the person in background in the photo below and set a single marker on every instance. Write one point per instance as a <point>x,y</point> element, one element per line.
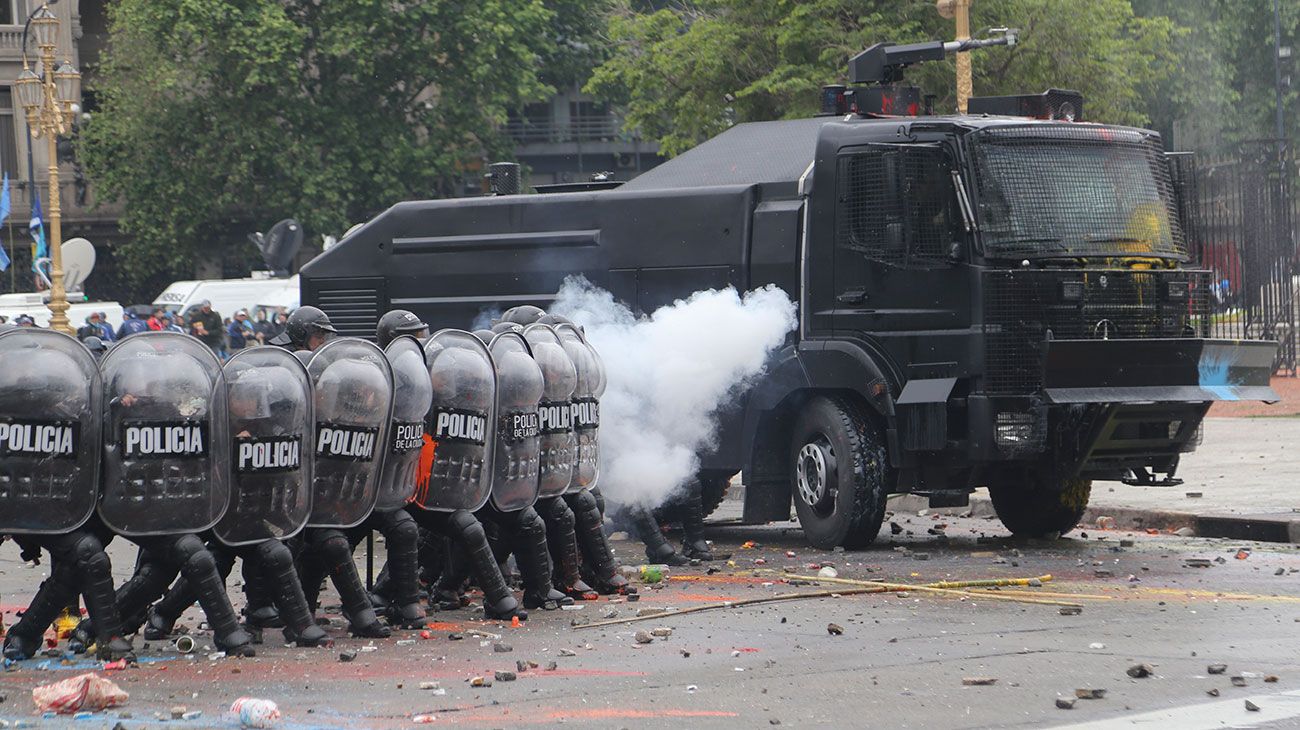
<point>91,328</point>
<point>131,324</point>
<point>106,329</point>
<point>239,331</point>
<point>25,320</point>
<point>206,325</point>
<point>169,323</point>
<point>280,322</point>
<point>263,329</point>
<point>155,320</point>
<point>4,319</point>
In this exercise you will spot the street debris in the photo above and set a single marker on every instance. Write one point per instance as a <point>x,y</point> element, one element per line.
<point>502,675</point>
<point>430,685</point>
<point>347,656</point>
<point>661,632</point>
<point>834,629</point>
<point>1251,706</point>
<point>978,681</point>
<point>1090,694</point>
<point>83,692</point>
<point>1065,703</point>
<point>1270,679</point>
<point>480,682</point>
<point>1213,692</point>
<point>1141,671</point>
<point>644,637</point>
<point>828,572</point>
<point>254,712</point>
<point>568,652</point>
<point>1197,562</point>
<point>552,666</point>
<point>502,648</point>
<point>1238,681</point>
<point>1096,645</point>
<point>1216,669</point>
<point>1071,610</point>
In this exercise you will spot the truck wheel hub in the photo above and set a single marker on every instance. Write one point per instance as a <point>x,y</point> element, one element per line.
<point>814,473</point>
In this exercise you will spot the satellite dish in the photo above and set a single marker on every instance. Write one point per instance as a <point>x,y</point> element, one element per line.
<point>78,262</point>
<point>280,245</point>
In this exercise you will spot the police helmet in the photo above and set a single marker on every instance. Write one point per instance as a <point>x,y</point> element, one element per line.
<point>302,324</point>
<point>396,323</point>
<point>524,314</point>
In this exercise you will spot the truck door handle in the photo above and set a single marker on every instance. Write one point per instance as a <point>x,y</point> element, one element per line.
<point>852,296</point>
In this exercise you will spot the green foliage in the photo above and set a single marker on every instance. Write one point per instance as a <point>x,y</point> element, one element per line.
<point>220,116</point>
<point>690,70</point>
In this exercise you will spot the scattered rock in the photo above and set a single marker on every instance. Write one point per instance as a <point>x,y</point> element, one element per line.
<point>921,556</point>
<point>347,656</point>
<point>978,681</point>
<point>1071,610</point>
<point>1251,706</point>
<point>1103,572</point>
<point>647,611</point>
<point>552,666</point>
<point>1105,523</point>
<point>1065,703</point>
<point>568,652</point>
<point>1213,692</point>
<point>504,676</point>
<point>691,688</point>
<point>429,685</point>
<point>500,648</point>
<point>895,528</point>
<point>828,572</point>
<point>1185,532</point>
<point>662,632</point>
<point>453,636</point>
<point>1127,543</point>
<point>1141,671</point>
<point>834,629</point>
<point>1197,562</point>
<point>1096,645</point>
<point>480,682</point>
<point>644,637</point>
<point>521,666</point>
<point>1280,571</point>
<point>1194,495</point>
<point>1238,681</point>
<point>1090,694</point>
<point>1270,679</point>
<point>1216,669</point>
<point>685,654</point>
<point>178,712</point>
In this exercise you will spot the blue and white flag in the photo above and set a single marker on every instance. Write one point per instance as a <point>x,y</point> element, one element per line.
<point>37,229</point>
<point>4,213</point>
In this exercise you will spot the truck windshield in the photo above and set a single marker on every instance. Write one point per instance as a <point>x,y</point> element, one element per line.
<point>1074,191</point>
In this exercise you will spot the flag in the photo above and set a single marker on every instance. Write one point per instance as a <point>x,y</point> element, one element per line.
<point>37,228</point>
<point>4,213</point>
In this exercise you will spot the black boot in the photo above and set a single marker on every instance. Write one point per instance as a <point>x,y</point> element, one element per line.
<point>567,563</point>
<point>200,569</point>
<point>260,612</point>
<point>498,603</point>
<point>23,641</point>
<point>534,559</point>
<point>163,615</point>
<point>657,547</point>
<point>402,538</point>
<point>691,512</point>
<point>275,565</point>
<point>333,549</point>
<point>147,584</point>
<point>95,574</point>
<point>448,592</point>
<point>595,548</point>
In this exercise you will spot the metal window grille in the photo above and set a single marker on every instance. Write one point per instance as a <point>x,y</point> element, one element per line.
<point>1020,307</point>
<point>1069,190</point>
<point>896,204</point>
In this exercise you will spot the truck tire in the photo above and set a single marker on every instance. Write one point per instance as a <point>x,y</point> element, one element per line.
<point>713,489</point>
<point>840,473</point>
<point>1036,510</point>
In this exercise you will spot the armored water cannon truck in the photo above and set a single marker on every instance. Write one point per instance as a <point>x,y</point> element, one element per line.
<point>1000,299</point>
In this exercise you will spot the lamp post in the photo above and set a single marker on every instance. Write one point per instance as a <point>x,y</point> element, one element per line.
<point>49,98</point>
<point>959,10</point>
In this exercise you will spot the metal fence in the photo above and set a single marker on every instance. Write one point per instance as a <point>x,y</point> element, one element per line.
<point>1241,214</point>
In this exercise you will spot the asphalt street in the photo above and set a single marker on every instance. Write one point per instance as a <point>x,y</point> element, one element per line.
<point>903,660</point>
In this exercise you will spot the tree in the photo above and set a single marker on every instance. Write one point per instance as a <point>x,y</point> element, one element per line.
<point>688,71</point>
<point>217,116</point>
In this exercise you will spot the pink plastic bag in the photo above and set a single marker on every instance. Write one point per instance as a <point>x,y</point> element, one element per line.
<point>83,692</point>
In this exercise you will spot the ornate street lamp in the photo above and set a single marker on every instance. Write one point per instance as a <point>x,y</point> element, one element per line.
<point>49,97</point>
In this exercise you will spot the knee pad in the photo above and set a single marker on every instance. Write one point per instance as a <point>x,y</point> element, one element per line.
<point>399,526</point>
<point>528,522</point>
<point>87,550</point>
<point>467,526</point>
<point>583,502</point>
<point>274,556</point>
<point>200,561</point>
<point>334,548</point>
<point>558,512</point>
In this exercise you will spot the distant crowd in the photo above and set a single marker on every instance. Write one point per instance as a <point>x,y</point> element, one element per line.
<point>225,336</point>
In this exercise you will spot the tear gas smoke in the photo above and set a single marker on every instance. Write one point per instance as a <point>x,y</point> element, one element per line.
<point>668,375</point>
<point>485,319</point>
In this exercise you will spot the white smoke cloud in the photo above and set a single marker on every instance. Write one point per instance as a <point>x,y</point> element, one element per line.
<point>668,374</point>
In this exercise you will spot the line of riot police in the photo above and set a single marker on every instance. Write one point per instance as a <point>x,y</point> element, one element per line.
<point>460,448</point>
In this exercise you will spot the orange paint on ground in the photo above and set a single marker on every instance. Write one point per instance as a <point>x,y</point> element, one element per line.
<point>704,597</point>
<point>445,626</point>
<point>719,578</point>
<point>611,713</point>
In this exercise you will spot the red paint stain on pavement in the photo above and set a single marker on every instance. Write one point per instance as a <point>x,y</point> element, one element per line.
<point>730,579</point>
<point>609,713</point>
<point>445,626</point>
<point>704,597</point>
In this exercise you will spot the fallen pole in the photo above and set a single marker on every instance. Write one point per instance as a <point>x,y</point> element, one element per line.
<point>867,587</point>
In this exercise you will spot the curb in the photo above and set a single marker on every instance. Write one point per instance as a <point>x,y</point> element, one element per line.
<point>1280,528</point>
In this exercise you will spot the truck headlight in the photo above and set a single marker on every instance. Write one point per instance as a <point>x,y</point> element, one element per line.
<point>1176,291</point>
<point>1014,430</point>
<point>1071,291</point>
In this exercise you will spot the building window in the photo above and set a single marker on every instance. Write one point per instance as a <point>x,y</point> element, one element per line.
<point>8,133</point>
<point>12,12</point>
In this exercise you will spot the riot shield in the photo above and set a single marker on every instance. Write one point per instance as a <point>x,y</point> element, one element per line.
<point>269,398</point>
<point>166,445</point>
<point>353,384</point>
<point>518,440</point>
<point>49,432</point>
<point>456,462</point>
<point>412,395</point>
<point>586,406</point>
<point>555,412</point>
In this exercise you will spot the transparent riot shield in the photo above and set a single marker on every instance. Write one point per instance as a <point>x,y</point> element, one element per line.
<point>555,413</point>
<point>456,462</point>
<point>166,445</point>
<point>412,396</point>
<point>50,406</point>
<point>586,406</point>
<point>518,439</point>
<point>269,397</point>
<point>353,387</point>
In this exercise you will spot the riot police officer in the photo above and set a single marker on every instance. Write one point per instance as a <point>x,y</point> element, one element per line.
<point>307,329</point>
<point>50,426</point>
